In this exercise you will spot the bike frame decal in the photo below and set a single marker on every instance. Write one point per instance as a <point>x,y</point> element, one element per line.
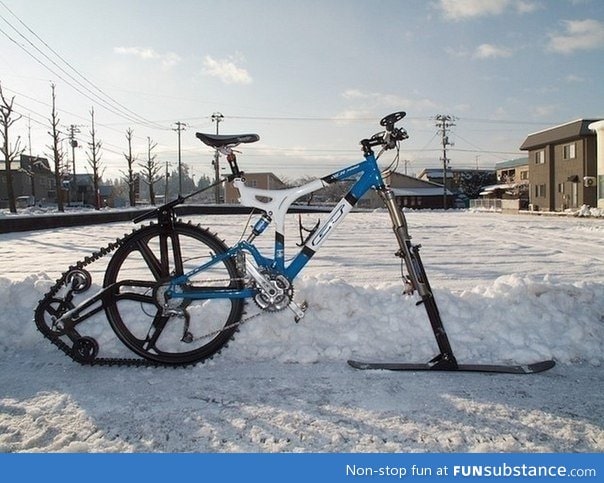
<point>276,204</point>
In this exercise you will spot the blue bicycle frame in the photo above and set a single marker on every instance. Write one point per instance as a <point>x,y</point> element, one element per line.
<point>276,208</point>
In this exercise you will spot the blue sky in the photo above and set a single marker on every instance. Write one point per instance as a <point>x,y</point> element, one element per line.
<point>310,77</point>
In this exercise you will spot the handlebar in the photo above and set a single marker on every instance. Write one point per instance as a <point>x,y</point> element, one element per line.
<point>389,138</point>
<point>391,119</point>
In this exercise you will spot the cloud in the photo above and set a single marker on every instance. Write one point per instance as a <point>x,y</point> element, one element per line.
<point>226,70</point>
<point>167,60</point>
<point>490,51</point>
<point>370,100</point>
<point>526,6</point>
<point>466,9</point>
<point>579,35</point>
<point>544,111</point>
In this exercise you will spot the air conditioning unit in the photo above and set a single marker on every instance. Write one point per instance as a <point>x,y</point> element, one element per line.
<point>589,181</point>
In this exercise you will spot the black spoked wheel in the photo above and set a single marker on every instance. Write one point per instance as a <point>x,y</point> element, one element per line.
<point>176,331</point>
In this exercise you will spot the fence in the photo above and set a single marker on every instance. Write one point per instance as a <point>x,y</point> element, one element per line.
<point>486,204</point>
<point>496,205</point>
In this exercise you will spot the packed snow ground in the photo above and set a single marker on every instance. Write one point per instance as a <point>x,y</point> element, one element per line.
<point>509,288</point>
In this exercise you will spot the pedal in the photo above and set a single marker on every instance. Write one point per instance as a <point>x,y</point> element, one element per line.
<point>298,310</point>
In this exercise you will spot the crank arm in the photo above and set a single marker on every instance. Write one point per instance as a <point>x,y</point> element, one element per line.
<point>298,310</point>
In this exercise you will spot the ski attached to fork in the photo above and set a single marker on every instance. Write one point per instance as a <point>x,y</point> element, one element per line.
<point>497,368</point>
<point>417,281</point>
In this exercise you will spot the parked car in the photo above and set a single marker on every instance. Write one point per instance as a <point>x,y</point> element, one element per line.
<point>25,201</point>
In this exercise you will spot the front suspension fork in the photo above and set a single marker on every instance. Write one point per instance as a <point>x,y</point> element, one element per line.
<point>419,280</point>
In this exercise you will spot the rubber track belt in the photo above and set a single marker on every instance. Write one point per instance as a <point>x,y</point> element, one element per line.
<point>56,340</point>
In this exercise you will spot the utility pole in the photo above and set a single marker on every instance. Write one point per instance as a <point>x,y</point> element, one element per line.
<point>32,166</point>
<point>180,126</point>
<point>217,118</point>
<point>29,134</point>
<point>73,130</point>
<point>444,122</point>
<point>166,192</point>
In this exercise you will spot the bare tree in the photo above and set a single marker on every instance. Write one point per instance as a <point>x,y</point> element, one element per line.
<point>57,150</point>
<point>151,170</point>
<point>130,176</point>
<point>94,161</point>
<point>9,152</point>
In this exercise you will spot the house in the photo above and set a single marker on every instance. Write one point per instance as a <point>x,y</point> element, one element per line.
<point>417,193</point>
<point>265,181</point>
<point>467,182</point>
<point>512,182</point>
<point>82,190</point>
<point>598,128</point>
<point>562,166</point>
<point>435,175</point>
<point>513,171</point>
<point>31,176</point>
<point>411,193</point>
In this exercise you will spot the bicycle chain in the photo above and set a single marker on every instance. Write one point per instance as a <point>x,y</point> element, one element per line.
<point>101,361</point>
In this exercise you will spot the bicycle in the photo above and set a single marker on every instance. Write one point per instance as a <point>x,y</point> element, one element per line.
<point>174,293</point>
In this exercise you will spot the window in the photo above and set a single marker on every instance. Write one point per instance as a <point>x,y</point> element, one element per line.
<point>560,187</point>
<point>568,151</point>
<point>540,191</point>
<point>539,157</point>
<point>524,175</point>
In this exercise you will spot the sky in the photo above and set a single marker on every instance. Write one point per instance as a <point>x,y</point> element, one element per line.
<point>311,78</point>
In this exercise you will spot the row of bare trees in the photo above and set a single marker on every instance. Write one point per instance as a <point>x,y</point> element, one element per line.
<point>11,151</point>
<point>150,169</point>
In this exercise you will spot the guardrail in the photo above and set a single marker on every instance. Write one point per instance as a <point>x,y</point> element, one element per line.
<point>16,223</point>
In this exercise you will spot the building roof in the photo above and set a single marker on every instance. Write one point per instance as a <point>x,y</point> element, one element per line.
<point>417,191</point>
<point>563,132</point>
<point>512,163</point>
<point>434,173</point>
<point>26,162</point>
<point>83,179</point>
<point>438,172</point>
<point>414,186</point>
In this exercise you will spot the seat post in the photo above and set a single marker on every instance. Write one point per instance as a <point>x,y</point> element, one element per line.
<point>232,159</point>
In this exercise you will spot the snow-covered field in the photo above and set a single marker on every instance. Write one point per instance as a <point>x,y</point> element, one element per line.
<point>509,288</point>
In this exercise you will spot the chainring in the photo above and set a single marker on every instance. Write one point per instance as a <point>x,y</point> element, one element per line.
<point>280,296</point>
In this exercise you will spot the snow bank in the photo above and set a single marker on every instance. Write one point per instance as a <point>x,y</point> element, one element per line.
<point>514,318</point>
<point>587,211</point>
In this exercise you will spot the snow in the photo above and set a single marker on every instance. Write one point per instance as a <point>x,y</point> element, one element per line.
<point>509,289</point>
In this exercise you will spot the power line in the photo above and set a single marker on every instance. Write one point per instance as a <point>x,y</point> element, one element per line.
<point>61,77</point>
<point>110,105</point>
<point>73,68</point>
<point>507,121</point>
<point>31,111</point>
